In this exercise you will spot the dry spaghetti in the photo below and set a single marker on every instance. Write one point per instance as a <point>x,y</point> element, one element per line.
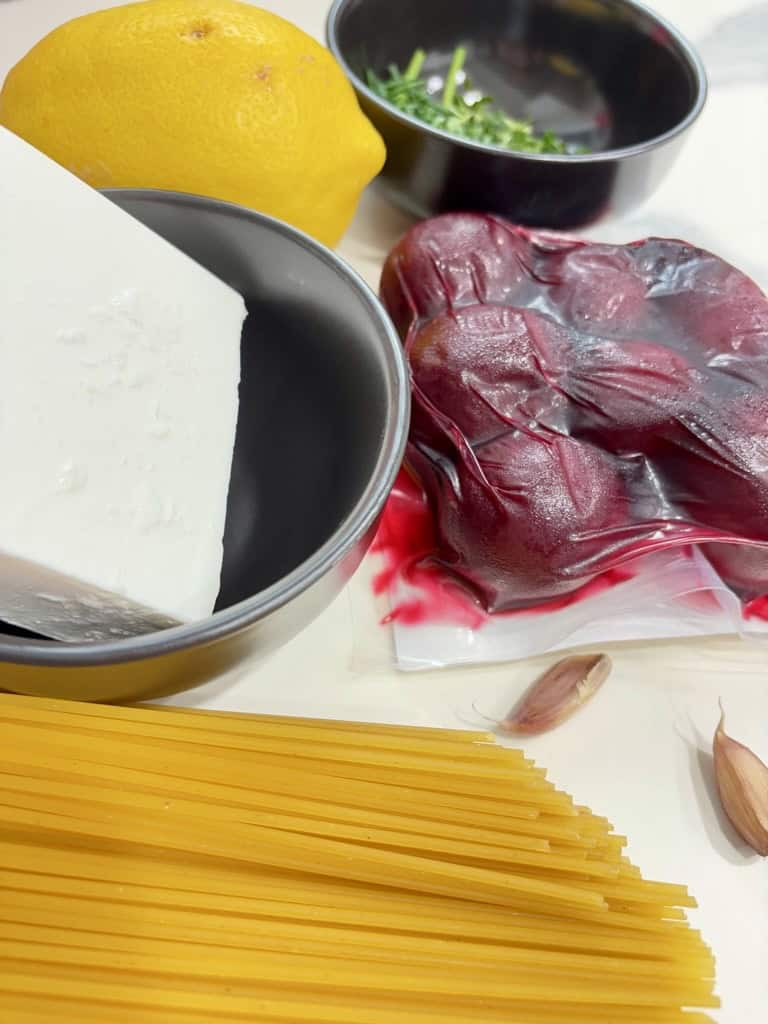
<point>188,867</point>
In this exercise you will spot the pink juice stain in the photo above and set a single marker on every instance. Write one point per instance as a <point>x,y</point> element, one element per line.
<point>407,545</point>
<point>757,608</point>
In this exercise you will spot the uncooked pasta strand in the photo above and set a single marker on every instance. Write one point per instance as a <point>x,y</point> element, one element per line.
<point>175,866</point>
<point>221,912</point>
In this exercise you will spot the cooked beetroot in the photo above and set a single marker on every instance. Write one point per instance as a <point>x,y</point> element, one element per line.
<point>489,368</point>
<point>599,289</point>
<point>742,566</point>
<point>576,405</point>
<point>454,260</point>
<point>708,305</point>
<point>520,520</point>
<point>628,394</point>
<point>718,469</point>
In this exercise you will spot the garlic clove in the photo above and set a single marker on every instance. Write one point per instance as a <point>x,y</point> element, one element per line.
<point>556,694</point>
<point>742,782</point>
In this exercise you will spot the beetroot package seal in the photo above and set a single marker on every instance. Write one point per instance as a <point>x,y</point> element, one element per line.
<point>585,417</point>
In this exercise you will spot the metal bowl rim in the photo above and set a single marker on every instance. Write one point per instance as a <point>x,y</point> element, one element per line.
<point>357,523</point>
<point>687,52</point>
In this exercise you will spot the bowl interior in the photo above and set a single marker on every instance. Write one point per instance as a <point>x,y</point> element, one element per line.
<point>315,391</point>
<point>603,74</point>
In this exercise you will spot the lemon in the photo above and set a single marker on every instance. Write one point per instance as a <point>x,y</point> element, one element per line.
<point>213,97</point>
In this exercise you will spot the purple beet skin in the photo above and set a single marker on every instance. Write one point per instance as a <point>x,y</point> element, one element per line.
<point>598,288</point>
<point>742,566</point>
<point>454,260</point>
<point>490,367</point>
<point>521,518</point>
<point>629,394</point>
<point>563,391</point>
<point>708,305</point>
<point>719,468</point>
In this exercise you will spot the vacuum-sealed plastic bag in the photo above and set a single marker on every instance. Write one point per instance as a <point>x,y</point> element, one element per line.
<point>578,410</point>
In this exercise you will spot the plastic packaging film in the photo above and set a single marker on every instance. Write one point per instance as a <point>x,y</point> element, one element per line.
<point>589,439</point>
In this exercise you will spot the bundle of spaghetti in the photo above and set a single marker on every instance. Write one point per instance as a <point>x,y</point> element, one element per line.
<point>188,867</point>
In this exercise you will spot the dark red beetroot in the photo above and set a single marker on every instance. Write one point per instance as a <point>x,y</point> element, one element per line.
<point>454,260</point>
<point>627,394</point>
<point>707,303</point>
<point>744,567</point>
<point>597,289</point>
<point>488,368</point>
<point>718,470</point>
<point>657,352</point>
<point>517,522</point>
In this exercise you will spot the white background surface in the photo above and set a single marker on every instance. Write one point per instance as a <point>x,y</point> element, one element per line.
<point>641,752</point>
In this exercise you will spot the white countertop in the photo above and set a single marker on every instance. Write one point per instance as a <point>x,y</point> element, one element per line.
<point>641,752</point>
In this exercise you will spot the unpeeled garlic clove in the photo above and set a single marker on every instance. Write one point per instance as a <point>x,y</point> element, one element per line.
<point>742,782</point>
<point>555,695</point>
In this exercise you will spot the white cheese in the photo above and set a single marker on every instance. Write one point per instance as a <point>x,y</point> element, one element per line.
<point>119,370</point>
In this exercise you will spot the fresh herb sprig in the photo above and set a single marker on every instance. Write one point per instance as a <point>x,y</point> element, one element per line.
<point>478,120</point>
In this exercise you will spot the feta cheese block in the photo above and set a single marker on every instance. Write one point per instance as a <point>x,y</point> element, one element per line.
<point>120,366</point>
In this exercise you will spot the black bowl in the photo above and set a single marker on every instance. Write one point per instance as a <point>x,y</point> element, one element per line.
<point>608,75</point>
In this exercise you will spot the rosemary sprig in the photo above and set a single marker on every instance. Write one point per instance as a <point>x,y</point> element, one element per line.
<point>479,121</point>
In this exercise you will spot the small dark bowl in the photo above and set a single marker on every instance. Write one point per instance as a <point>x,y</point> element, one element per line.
<point>608,75</point>
<point>323,419</point>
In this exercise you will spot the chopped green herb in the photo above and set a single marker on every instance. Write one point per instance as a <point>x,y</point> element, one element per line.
<point>477,120</point>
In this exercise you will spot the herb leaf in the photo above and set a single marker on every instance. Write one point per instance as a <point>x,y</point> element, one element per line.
<point>478,121</point>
